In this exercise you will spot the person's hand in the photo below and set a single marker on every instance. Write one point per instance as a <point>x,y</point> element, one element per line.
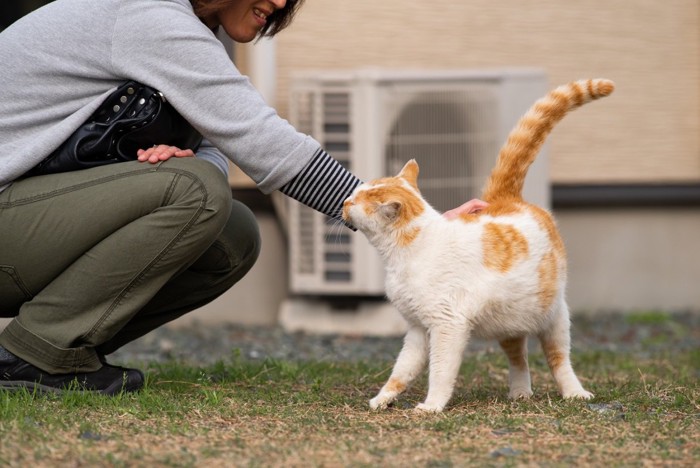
<point>472,206</point>
<point>162,153</point>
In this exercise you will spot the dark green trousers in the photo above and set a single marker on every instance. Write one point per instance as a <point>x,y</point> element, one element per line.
<point>93,259</point>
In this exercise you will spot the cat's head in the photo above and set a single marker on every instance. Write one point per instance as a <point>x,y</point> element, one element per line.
<point>387,203</point>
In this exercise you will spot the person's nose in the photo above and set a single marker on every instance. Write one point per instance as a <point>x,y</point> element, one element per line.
<point>279,4</point>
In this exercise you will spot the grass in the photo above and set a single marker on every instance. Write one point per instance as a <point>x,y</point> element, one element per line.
<point>279,413</point>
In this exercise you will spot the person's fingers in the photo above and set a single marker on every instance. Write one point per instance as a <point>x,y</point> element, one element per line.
<point>144,154</point>
<point>160,153</point>
<point>476,205</point>
<point>472,206</point>
<point>187,153</point>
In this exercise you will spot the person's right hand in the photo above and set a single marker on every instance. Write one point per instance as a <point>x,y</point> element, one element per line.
<point>472,206</point>
<point>160,153</point>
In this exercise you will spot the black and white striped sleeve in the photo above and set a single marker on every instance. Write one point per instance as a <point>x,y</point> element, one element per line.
<point>323,185</point>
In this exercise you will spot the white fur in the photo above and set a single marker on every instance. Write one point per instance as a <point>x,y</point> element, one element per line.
<point>441,286</point>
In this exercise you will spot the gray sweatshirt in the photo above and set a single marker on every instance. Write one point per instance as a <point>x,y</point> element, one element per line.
<point>59,63</point>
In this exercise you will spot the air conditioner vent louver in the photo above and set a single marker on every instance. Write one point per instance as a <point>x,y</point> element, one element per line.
<point>452,122</point>
<point>452,134</point>
<point>336,252</point>
<point>336,125</point>
<point>306,242</point>
<point>305,107</point>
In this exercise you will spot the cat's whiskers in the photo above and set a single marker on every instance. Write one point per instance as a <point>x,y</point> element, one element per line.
<point>336,229</point>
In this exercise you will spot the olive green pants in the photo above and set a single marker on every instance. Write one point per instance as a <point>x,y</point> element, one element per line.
<point>93,259</point>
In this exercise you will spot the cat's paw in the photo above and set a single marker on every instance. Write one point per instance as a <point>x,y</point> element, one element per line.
<point>380,402</point>
<point>580,394</point>
<point>519,393</point>
<point>428,408</point>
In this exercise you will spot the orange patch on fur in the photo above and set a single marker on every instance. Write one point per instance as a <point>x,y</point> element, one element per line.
<point>546,222</point>
<point>468,217</point>
<point>503,246</point>
<point>553,353</point>
<point>383,181</point>
<point>395,385</point>
<point>391,191</point>
<point>410,173</point>
<point>407,236</point>
<point>547,272</point>
<point>499,208</point>
<point>515,350</point>
<point>503,208</point>
<point>577,95</point>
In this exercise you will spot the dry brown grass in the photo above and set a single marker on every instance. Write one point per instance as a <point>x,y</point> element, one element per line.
<point>286,414</point>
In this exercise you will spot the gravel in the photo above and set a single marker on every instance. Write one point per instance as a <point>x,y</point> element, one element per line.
<point>200,344</point>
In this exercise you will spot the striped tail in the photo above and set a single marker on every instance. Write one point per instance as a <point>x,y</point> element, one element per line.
<point>526,139</point>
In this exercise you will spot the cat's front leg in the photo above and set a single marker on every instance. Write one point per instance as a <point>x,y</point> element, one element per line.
<point>409,364</point>
<point>447,343</point>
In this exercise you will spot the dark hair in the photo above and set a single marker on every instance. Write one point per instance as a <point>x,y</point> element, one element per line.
<point>276,22</point>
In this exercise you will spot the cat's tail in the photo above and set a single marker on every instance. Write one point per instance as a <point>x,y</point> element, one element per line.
<point>526,139</point>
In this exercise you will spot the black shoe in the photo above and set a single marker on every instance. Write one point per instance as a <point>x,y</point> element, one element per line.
<point>108,380</point>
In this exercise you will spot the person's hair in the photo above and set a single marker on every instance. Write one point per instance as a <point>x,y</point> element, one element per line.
<point>276,22</point>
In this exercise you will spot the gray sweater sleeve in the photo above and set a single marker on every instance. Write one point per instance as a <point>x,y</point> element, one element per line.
<point>164,45</point>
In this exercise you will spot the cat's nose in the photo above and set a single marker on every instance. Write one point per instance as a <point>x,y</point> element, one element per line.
<point>346,208</point>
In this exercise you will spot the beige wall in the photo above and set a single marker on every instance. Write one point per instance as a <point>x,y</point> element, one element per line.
<point>647,131</point>
<point>632,259</point>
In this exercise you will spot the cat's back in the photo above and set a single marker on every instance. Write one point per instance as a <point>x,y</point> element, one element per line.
<point>505,239</point>
<point>506,258</point>
<point>511,234</point>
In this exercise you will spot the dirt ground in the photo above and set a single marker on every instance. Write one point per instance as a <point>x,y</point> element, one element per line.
<point>643,333</point>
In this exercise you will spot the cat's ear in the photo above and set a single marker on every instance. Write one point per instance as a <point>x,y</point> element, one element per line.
<point>390,210</point>
<point>410,173</point>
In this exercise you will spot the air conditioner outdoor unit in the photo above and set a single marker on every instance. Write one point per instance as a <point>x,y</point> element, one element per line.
<point>373,121</point>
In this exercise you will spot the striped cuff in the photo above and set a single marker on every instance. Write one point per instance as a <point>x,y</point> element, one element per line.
<point>322,185</point>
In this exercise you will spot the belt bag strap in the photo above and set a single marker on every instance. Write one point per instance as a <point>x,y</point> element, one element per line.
<point>133,117</point>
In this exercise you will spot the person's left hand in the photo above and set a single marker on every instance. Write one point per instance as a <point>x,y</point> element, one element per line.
<point>162,153</point>
<point>472,206</point>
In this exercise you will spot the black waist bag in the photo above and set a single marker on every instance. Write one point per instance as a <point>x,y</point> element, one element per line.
<point>134,117</point>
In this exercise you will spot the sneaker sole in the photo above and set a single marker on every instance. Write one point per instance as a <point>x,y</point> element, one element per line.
<point>17,385</point>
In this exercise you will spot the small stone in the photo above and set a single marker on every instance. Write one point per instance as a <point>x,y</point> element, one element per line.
<point>89,435</point>
<point>505,452</point>
<point>605,408</point>
<point>503,431</point>
<point>166,345</point>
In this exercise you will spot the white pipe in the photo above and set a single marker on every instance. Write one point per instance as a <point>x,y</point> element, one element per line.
<point>263,68</point>
<point>263,74</point>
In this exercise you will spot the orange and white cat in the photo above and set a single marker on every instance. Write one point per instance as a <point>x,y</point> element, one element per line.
<point>498,274</point>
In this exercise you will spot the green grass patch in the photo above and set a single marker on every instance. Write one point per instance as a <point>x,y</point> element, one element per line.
<point>648,317</point>
<point>281,413</point>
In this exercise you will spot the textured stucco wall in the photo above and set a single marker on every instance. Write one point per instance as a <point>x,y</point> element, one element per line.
<point>647,131</point>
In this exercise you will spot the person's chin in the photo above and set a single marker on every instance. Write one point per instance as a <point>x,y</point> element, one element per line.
<point>245,38</point>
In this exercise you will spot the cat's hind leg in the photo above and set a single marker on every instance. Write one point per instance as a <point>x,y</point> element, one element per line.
<point>447,343</point>
<point>518,370</point>
<point>409,364</point>
<point>556,342</point>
